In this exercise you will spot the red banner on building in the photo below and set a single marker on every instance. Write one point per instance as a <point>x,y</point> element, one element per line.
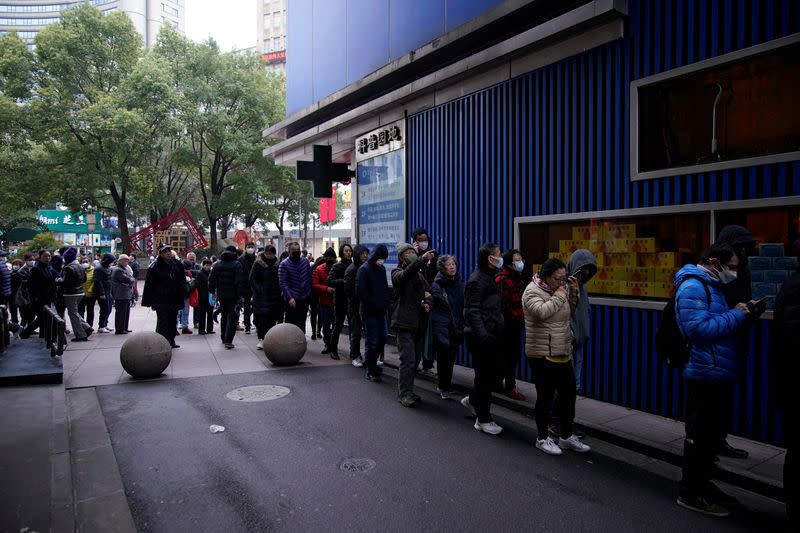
<point>327,207</point>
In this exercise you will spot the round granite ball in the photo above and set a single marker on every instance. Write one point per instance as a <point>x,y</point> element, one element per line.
<point>284,344</point>
<point>145,354</point>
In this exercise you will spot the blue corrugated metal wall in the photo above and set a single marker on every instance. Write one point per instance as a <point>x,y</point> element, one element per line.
<point>556,141</point>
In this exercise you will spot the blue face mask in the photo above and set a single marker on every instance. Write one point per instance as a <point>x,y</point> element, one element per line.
<point>499,263</point>
<point>519,265</point>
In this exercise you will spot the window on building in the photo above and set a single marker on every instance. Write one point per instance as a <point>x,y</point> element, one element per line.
<point>276,43</point>
<point>169,9</point>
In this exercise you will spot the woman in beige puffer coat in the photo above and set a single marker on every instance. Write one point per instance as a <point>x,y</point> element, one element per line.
<point>548,303</point>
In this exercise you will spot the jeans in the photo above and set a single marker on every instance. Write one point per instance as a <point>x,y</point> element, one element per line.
<point>105,311</point>
<point>86,308</point>
<point>511,347</point>
<point>445,361</point>
<point>297,315</point>
<point>122,315</point>
<point>550,378</point>
<point>407,346</point>
<point>375,340</point>
<point>313,306</point>
<point>706,403</point>
<point>339,314</point>
<point>487,364</point>
<point>247,311</point>
<point>228,320</point>
<point>356,327</point>
<point>79,325</point>
<point>263,324</point>
<point>577,363</point>
<point>326,318</point>
<point>165,324</point>
<point>184,313</point>
<point>205,318</point>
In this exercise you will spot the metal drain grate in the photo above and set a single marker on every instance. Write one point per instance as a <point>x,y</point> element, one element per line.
<point>257,393</point>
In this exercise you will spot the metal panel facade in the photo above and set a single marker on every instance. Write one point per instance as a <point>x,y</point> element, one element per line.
<point>556,140</point>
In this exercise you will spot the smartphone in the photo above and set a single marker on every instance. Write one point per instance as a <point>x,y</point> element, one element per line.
<point>760,303</point>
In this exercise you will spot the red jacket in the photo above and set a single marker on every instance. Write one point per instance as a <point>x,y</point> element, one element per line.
<point>509,283</point>
<point>319,282</point>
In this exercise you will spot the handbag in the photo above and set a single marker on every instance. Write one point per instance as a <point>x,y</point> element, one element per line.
<point>22,298</point>
<point>194,300</point>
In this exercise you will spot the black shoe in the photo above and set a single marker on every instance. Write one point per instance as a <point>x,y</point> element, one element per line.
<point>128,331</point>
<point>407,400</point>
<point>83,339</point>
<point>210,332</point>
<point>726,450</point>
<point>326,350</point>
<point>201,332</point>
<point>173,345</point>
<point>375,378</point>
<point>247,331</point>
<point>416,397</point>
<point>89,331</point>
<point>716,495</point>
<point>120,333</point>
<point>335,356</point>
<point>313,337</point>
<point>229,345</point>
<point>702,505</point>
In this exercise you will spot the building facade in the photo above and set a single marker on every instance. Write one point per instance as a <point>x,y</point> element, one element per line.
<point>635,128</point>
<point>271,33</point>
<point>26,17</point>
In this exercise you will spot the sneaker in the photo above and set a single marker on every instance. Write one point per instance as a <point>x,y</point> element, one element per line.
<point>375,378</point>
<point>335,356</point>
<point>201,333</point>
<point>104,330</point>
<point>716,495</point>
<point>313,336</point>
<point>488,427</point>
<point>573,443</point>
<point>358,362</point>
<point>380,362</point>
<point>465,403</point>
<point>515,394</point>
<point>247,331</point>
<point>548,446</point>
<point>702,505</point>
<point>260,345</point>
<point>229,346</point>
<point>89,331</point>
<point>187,330</point>
<point>407,400</point>
<point>445,394</point>
<point>173,345</point>
<point>325,350</point>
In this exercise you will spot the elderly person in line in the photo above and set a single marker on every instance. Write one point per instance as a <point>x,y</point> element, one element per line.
<point>122,290</point>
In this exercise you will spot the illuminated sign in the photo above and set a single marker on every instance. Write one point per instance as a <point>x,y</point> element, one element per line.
<point>274,57</point>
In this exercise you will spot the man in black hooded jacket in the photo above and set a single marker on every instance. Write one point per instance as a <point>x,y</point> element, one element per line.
<point>247,259</point>
<point>360,256</point>
<point>336,280</point>
<point>226,279</point>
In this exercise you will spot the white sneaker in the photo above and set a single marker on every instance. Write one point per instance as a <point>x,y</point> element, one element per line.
<point>573,443</point>
<point>260,345</point>
<point>488,427</point>
<point>548,446</point>
<point>443,393</point>
<point>103,330</point>
<point>358,362</point>
<point>380,362</point>
<point>465,403</point>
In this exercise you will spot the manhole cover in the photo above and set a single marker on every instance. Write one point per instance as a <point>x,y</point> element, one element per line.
<point>257,393</point>
<point>357,465</point>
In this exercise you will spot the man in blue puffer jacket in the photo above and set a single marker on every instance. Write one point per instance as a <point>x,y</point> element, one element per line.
<point>706,321</point>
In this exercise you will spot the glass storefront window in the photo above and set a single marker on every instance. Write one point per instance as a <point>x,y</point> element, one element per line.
<point>637,257</point>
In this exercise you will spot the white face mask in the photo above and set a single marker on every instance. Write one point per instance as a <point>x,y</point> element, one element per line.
<point>380,262</point>
<point>423,245</point>
<point>85,266</point>
<point>519,265</point>
<point>31,263</point>
<point>727,276</point>
<point>251,250</point>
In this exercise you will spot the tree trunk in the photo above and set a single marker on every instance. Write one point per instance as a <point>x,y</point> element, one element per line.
<point>122,217</point>
<point>212,223</point>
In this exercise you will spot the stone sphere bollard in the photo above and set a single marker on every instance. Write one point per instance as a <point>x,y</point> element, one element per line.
<point>284,344</point>
<point>145,354</point>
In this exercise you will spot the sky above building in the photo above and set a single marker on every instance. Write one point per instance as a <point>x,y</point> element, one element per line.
<point>231,23</point>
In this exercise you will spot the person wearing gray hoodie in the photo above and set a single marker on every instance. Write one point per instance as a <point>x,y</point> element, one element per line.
<point>583,266</point>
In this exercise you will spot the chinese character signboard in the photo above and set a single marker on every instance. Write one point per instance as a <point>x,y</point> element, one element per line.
<point>61,221</point>
<point>381,141</point>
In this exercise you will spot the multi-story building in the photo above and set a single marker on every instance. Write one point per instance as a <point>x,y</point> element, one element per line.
<point>27,17</point>
<point>271,40</point>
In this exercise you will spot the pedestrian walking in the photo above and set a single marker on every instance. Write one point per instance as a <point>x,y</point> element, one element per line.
<point>42,289</point>
<point>340,300</point>
<point>355,325</point>
<point>294,274</point>
<point>102,290</point>
<point>372,290</point>
<point>247,259</point>
<point>122,283</point>
<point>483,329</point>
<point>324,292</point>
<point>509,283</point>
<point>706,321</point>
<point>72,289</point>
<point>225,281</point>
<point>447,320</point>
<point>548,304</point>
<point>205,311</point>
<point>411,303</point>
<point>267,299</point>
<point>164,291</point>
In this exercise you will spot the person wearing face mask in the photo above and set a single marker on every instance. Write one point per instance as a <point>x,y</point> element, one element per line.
<point>411,304</point>
<point>294,275</point>
<point>426,349</point>
<point>336,280</point>
<point>324,292</point>
<point>224,281</point>
<point>267,301</point>
<point>483,329</point>
<point>204,310</point>
<point>447,320</point>
<point>739,290</point>
<point>164,291</point>
<point>509,283</point>
<point>355,325</point>
<point>372,290</point>
<point>548,304</point>
<point>86,307</point>
<point>247,259</point>
<point>102,290</point>
<point>5,278</point>
<point>712,327</point>
<point>72,288</point>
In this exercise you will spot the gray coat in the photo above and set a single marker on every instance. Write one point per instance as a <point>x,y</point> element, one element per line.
<point>584,261</point>
<point>121,284</point>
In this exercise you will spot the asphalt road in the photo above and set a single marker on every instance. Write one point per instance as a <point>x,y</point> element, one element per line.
<point>277,466</point>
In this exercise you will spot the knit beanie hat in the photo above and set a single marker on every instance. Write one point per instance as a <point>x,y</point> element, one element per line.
<point>70,255</point>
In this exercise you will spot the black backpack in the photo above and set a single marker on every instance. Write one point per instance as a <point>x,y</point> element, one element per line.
<point>671,346</point>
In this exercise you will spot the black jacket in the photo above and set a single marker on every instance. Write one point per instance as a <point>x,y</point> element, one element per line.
<point>408,293</point>
<point>336,280</point>
<point>165,285</point>
<point>786,324</point>
<point>247,262</point>
<point>74,278</point>
<point>372,289</point>
<point>202,288</point>
<point>483,311</point>
<point>102,281</point>
<point>42,285</point>
<point>263,280</point>
<point>226,277</point>
<point>350,275</point>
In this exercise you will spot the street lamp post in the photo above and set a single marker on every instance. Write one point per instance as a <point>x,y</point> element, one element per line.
<point>91,224</point>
